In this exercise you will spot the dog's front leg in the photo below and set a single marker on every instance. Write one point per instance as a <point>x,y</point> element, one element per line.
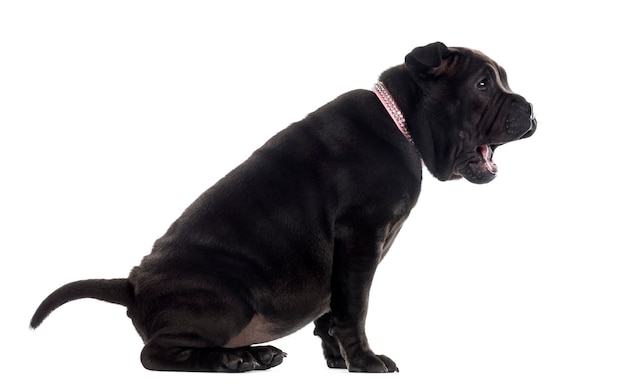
<point>330,345</point>
<point>355,260</point>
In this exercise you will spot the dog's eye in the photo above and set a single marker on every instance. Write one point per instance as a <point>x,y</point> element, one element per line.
<point>483,84</point>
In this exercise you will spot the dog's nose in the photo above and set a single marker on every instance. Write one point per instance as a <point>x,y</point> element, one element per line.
<point>533,122</point>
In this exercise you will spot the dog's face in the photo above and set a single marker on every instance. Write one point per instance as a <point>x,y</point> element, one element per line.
<point>467,110</point>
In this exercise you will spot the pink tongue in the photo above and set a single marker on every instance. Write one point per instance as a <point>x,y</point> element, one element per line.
<point>487,153</point>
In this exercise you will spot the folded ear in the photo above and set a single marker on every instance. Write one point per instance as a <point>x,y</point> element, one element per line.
<point>422,61</point>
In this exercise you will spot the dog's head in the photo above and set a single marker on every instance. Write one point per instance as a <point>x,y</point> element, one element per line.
<point>465,111</point>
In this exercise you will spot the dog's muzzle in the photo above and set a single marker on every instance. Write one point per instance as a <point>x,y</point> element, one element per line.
<point>519,123</point>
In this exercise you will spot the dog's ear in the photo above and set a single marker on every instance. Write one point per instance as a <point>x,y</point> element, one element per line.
<point>423,61</point>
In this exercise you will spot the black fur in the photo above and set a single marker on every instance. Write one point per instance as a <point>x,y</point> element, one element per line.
<point>295,233</point>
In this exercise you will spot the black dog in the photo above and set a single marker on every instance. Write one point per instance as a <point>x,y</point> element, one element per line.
<point>295,233</point>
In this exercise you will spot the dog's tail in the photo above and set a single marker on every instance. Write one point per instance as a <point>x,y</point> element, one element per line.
<point>117,291</point>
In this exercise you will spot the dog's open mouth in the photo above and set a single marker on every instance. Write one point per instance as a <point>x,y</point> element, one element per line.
<point>479,167</point>
<point>486,152</point>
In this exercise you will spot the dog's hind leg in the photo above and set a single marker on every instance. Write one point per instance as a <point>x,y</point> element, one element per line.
<point>188,352</point>
<point>199,331</point>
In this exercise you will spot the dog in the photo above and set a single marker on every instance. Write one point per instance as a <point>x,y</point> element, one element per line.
<point>295,233</point>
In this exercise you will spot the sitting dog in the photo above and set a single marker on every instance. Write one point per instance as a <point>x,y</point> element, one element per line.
<point>295,233</point>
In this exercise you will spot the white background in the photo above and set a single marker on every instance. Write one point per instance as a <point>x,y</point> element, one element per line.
<point>115,115</point>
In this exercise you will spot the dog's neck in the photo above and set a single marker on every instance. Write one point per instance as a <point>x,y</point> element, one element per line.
<point>392,108</point>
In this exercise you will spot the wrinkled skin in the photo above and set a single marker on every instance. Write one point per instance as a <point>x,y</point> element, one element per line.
<point>465,110</point>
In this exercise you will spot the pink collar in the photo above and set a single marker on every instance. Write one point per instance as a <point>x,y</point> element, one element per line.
<point>392,108</point>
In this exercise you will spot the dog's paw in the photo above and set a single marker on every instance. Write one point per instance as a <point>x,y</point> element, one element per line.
<point>267,356</point>
<point>336,362</point>
<point>372,363</point>
<point>251,358</point>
